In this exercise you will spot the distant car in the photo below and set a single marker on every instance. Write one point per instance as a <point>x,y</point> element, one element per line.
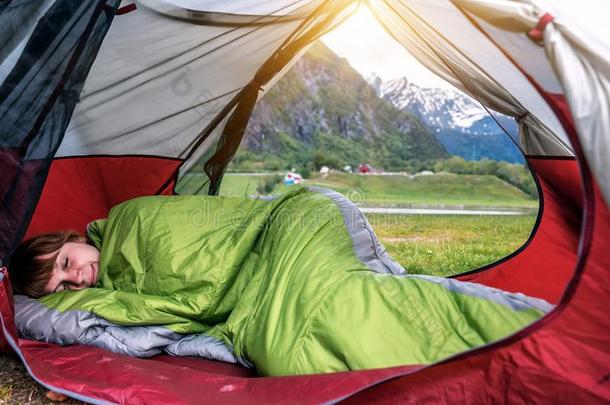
<point>292,178</point>
<point>348,169</point>
<point>364,168</point>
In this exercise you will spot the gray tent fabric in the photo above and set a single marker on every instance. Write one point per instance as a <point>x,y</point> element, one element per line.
<point>580,63</point>
<point>16,26</point>
<point>162,78</point>
<point>38,322</point>
<point>189,51</point>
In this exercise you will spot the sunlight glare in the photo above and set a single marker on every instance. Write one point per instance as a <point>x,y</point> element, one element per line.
<point>369,49</point>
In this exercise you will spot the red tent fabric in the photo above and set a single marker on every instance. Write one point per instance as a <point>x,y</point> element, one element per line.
<point>563,358</point>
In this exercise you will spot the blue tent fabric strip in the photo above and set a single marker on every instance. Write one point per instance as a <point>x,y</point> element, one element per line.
<point>15,18</point>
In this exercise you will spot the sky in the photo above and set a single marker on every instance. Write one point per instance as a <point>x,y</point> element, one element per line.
<point>369,49</point>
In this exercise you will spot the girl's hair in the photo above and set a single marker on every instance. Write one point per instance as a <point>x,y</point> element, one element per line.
<point>30,274</point>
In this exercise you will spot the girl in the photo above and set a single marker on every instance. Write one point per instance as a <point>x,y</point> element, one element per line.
<point>54,262</point>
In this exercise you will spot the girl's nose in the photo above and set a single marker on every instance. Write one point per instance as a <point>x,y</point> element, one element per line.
<point>76,275</point>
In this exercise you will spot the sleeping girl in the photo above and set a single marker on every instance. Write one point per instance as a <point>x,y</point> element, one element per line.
<point>53,262</point>
<point>294,285</point>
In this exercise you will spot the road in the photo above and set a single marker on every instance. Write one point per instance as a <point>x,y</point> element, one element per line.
<point>440,211</point>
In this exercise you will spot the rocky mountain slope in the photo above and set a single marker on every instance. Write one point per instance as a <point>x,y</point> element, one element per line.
<point>324,112</point>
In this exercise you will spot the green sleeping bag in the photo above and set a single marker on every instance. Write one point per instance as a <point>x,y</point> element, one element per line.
<point>292,285</point>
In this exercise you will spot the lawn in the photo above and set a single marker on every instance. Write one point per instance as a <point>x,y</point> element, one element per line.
<point>377,191</point>
<point>239,185</point>
<point>444,245</point>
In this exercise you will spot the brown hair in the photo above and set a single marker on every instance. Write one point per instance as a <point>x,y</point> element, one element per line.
<point>29,274</point>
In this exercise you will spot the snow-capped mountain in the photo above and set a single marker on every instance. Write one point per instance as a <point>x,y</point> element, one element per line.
<point>460,123</point>
<point>324,111</point>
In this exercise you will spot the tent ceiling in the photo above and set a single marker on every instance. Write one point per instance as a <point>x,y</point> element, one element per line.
<point>243,7</point>
<point>241,12</point>
<point>157,80</point>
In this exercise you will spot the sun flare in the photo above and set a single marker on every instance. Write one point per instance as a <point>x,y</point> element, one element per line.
<point>371,50</point>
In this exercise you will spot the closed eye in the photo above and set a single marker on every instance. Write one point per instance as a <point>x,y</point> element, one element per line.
<point>61,287</point>
<point>66,263</point>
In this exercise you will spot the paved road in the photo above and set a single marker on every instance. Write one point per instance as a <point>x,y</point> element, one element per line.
<point>439,211</point>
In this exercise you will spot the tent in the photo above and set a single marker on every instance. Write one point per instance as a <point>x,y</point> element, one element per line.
<point>103,100</point>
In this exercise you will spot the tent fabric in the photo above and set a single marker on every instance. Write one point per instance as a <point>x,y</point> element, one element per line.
<point>69,193</point>
<point>109,113</point>
<point>18,23</point>
<point>144,58</point>
<point>581,64</point>
<point>565,261</point>
<point>238,12</point>
<point>171,63</point>
<point>36,102</point>
<point>557,231</point>
<point>174,68</point>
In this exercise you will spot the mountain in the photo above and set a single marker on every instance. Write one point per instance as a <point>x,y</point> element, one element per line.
<point>323,111</point>
<point>461,124</point>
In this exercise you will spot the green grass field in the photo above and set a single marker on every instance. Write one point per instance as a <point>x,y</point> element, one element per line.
<point>438,190</point>
<point>444,245</point>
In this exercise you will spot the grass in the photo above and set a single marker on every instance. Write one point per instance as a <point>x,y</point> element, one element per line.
<point>439,245</point>
<point>16,386</point>
<point>237,185</point>
<point>451,244</point>
<point>5,393</point>
<point>438,190</point>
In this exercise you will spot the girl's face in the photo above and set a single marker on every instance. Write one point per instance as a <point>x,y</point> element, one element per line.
<point>75,268</point>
